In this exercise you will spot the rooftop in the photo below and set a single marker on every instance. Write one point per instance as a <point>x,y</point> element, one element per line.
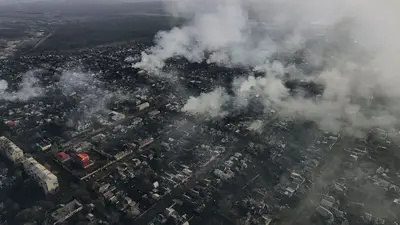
<point>39,170</point>
<point>63,213</point>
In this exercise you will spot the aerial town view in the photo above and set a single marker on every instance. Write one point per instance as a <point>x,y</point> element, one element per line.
<point>199,112</point>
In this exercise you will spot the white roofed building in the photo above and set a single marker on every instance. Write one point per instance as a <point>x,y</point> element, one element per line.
<point>46,179</point>
<point>10,150</point>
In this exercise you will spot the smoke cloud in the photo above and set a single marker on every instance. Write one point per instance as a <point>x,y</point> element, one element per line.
<point>87,89</point>
<point>348,46</point>
<point>208,104</point>
<point>28,88</point>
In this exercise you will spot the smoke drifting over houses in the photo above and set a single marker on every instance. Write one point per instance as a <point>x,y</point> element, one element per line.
<point>88,90</point>
<point>209,104</point>
<point>28,88</point>
<point>348,47</point>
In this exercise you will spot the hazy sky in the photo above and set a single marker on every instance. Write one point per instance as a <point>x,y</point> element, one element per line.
<point>13,2</point>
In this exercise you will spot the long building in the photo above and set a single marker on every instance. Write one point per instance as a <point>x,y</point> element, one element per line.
<point>62,214</point>
<point>46,179</point>
<point>10,150</point>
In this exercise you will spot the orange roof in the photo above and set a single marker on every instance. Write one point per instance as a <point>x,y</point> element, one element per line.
<point>83,156</point>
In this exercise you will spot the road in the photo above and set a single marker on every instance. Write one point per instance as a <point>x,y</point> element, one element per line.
<point>159,207</point>
<point>176,193</point>
<point>41,41</point>
<point>85,135</point>
<point>326,169</point>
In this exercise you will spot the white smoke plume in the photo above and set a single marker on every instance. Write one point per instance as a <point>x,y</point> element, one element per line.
<point>353,43</point>
<point>90,92</point>
<point>73,82</point>
<point>209,104</point>
<point>28,88</point>
<point>256,126</point>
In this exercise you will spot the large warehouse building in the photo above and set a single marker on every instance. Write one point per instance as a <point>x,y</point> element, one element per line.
<point>46,179</point>
<point>10,150</point>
